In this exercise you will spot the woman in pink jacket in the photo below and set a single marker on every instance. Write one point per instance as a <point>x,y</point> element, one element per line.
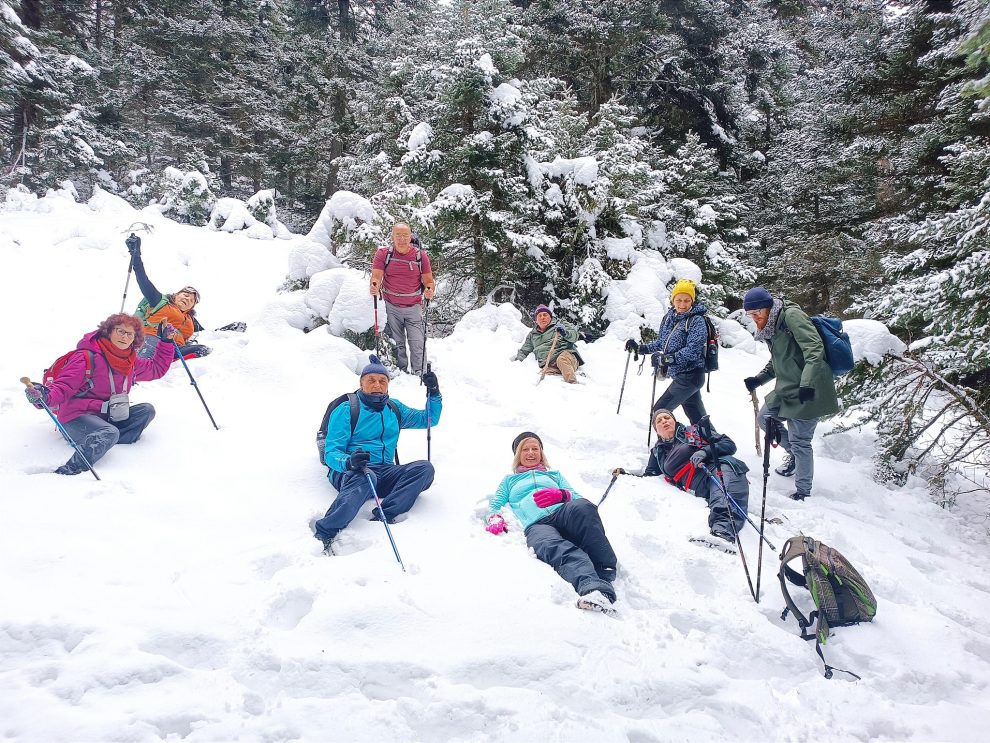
<point>89,393</point>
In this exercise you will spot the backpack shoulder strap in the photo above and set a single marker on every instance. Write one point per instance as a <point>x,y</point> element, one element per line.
<point>395,409</point>
<point>352,400</point>
<point>793,548</point>
<point>388,256</point>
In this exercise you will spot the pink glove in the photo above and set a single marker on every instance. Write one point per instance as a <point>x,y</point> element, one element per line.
<point>549,496</point>
<point>496,524</point>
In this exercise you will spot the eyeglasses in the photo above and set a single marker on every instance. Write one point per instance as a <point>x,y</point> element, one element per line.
<point>124,332</point>
<point>753,313</point>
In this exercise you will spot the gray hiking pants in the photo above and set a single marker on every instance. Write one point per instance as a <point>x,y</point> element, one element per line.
<point>95,436</point>
<point>795,438</point>
<point>720,509</point>
<point>407,323</point>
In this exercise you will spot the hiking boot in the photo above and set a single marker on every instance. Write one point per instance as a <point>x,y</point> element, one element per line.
<point>786,468</point>
<point>799,496</point>
<point>65,469</point>
<point>596,601</point>
<point>376,515</point>
<point>721,533</point>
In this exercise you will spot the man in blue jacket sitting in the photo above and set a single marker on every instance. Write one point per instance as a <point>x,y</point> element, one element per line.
<point>370,446</point>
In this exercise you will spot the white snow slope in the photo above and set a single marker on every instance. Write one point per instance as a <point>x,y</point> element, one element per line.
<point>183,597</point>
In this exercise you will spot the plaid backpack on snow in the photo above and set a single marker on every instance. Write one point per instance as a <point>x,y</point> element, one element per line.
<point>840,594</point>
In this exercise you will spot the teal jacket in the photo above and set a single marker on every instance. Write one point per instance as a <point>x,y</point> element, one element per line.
<point>375,432</point>
<point>539,343</point>
<point>517,490</point>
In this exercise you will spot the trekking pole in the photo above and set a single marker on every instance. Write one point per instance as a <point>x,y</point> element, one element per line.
<point>130,267</point>
<point>735,505</point>
<point>61,429</point>
<point>653,401</point>
<point>192,379</point>
<point>553,345</point>
<point>622,391</point>
<point>614,478</point>
<point>763,509</point>
<point>429,419</point>
<point>381,511</point>
<point>756,420</point>
<point>378,335</point>
<point>742,556</point>
<point>426,335</point>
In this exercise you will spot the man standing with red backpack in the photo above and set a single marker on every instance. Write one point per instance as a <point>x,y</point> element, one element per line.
<point>402,275</point>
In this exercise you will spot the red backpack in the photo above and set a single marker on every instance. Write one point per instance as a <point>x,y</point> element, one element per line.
<point>51,373</point>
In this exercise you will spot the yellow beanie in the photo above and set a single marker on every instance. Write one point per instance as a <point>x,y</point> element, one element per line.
<point>683,286</point>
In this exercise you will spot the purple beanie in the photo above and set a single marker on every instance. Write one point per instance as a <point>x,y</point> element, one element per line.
<point>757,298</point>
<point>542,308</point>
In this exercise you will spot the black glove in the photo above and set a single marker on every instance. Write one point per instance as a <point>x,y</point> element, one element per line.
<point>36,395</point>
<point>561,330</point>
<point>655,360</point>
<point>165,330</point>
<point>358,460</point>
<point>751,383</point>
<point>631,346</point>
<point>667,359</point>
<point>806,394</point>
<point>133,244</point>
<point>432,385</point>
<point>773,428</point>
<point>699,457</point>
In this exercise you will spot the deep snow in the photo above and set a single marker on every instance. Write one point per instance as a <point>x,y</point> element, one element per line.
<point>184,597</point>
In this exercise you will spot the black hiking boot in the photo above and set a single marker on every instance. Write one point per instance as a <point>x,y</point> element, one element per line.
<point>799,496</point>
<point>376,515</point>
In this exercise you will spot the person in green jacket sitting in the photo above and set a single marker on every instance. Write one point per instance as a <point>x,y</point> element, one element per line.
<point>562,528</point>
<point>565,360</point>
<point>805,388</point>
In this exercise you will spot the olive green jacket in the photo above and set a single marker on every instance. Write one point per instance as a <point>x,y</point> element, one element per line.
<point>539,343</point>
<point>797,359</point>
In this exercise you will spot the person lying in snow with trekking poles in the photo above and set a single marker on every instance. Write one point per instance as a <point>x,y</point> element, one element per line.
<point>367,445</point>
<point>562,528</point>
<point>679,352</point>
<point>177,309</point>
<point>556,341</point>
<point>89,393</point>
<point>679,454</point>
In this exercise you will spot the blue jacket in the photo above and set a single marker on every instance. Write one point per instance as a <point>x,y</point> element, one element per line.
<point>517,490</point>
<point>375,432</point>
<point>685,336</point>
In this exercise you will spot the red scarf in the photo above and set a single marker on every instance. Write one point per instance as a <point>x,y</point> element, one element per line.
<point>121,362</point>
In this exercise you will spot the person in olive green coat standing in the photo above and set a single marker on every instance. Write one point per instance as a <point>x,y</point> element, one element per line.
<point>566,359</point>
<point>805,388</point>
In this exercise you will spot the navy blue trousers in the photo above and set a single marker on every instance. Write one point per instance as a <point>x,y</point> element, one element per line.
<point>398,486</point>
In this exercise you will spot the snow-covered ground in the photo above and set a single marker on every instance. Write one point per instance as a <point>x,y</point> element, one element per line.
<point>183,597</point>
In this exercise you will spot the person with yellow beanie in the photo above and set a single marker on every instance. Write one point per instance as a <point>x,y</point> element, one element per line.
<point>679,351</point>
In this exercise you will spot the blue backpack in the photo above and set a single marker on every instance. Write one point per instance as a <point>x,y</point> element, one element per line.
<point>838,348</point>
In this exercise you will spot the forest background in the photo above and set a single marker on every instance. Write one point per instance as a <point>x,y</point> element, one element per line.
<point>838,153</point>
